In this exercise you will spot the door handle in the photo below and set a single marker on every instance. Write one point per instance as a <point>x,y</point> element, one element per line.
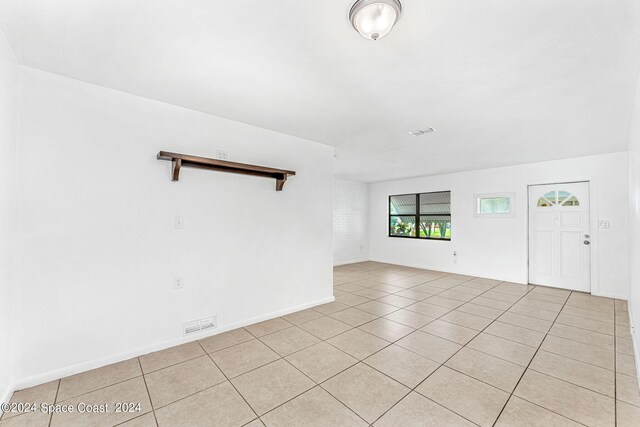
<point>586,242</point>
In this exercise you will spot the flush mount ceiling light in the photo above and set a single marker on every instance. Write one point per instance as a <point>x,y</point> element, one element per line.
<point>419,132</point>
<point>373,19</point>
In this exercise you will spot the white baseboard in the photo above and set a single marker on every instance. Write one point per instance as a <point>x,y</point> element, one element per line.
<point>104,361</point>
<point>6,396</point>
<point>336,264</point>
<point>448,270</point>
<point>609,295</point>
<point>470,273</point>
<point>414,265</point>
<point>635,342</point>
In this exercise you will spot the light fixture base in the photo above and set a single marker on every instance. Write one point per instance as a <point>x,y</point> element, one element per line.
<point>373,19</point>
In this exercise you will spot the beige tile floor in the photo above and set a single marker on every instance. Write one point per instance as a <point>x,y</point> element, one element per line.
<point>399,347</point>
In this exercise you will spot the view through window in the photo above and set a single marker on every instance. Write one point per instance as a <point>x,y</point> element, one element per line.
<point>421,215</point>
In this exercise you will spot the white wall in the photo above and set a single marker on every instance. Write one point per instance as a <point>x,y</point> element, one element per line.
<point>497,248</point>
<point>8,122</point>
<point>634,225</point>
<point>350,222</point>
<point>97,250</point>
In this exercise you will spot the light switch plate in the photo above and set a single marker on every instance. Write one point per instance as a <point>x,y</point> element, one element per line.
<point>604,224</point>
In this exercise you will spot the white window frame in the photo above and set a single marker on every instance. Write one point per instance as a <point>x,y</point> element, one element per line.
<point>476,205</point>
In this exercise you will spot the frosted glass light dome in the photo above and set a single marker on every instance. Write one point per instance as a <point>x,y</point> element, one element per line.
<point>373,19</point>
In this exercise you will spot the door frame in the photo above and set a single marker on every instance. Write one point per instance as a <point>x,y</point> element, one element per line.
<point>593,225</point>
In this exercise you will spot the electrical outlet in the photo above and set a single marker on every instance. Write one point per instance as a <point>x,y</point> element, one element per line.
<point>222,155</point>
<point>179,223</point>
<point>179,283</point>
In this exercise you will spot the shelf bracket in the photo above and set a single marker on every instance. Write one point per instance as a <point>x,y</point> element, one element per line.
<point>175,173</point>
<point>280,182</point>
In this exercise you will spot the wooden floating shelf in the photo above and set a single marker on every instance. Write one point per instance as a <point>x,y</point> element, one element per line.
<point>180,160</point>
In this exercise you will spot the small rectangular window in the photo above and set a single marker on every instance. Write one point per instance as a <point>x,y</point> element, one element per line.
<point>421,215</point>
<point>494,205</point>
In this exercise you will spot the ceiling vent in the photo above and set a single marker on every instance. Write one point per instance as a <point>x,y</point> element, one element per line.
<point>419,132</point>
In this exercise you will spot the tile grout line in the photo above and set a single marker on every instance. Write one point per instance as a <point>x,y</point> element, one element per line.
<point>223,348</point>
<point>172,365</point>
<point>270,333</point>
<point>548,351</point>
<point>573,383</point>
<point>509,339</point>
<point>164,367</point>
<point>527,368</point>
<point>135,418</point>
<point>379,317</point>
<point>479,332</point>
<point>393,293</point>
<point>316,384</point>
<point>97,389</point>
<point>375,369</point>
<point>228,380</point>
<point>190,395</point>
<point>326,340</point>
<point>579,342</point>
<point>55,400</point>
<point>142,371</point>
<point>153,411</point>
<point>252,369</point>
<point>357,361</point>
<point>449,358</point>
<point>553,322</point>
<point>300,349</point>
<point>319,384</point>
<point>394,342</point>
<point>585,329</point>
<point>575,360</point>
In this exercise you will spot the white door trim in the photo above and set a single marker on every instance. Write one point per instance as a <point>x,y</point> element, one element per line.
<point>560,266</point>
<point>593,223</point>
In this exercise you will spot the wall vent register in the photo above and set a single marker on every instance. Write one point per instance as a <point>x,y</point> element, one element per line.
<point>199,325</point>
<point>421,215</point>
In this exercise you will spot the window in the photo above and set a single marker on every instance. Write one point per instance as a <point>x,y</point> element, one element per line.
<point>421,216</point>
<point>557,198</point>
<point>496,205</point>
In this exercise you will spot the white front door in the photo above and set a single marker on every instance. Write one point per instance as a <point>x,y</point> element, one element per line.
<point>559,236</point>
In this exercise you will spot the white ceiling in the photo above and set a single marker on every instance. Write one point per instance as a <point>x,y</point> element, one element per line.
<point>503,81</point>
